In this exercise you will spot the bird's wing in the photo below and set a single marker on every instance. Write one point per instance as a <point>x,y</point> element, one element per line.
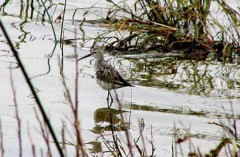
<point>121,80</point>
<point>110,75</point>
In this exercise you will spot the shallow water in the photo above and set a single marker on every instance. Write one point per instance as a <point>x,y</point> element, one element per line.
<point>168,93</point>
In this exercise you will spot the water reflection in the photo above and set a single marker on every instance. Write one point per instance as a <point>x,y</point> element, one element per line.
<point>193,77</point>
<point>108,127</point>
<point>26,11</point>
<point>108,119</point>
<point>96,147</point>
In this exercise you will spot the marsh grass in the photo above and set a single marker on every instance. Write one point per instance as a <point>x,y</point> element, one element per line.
<point>165,26</point>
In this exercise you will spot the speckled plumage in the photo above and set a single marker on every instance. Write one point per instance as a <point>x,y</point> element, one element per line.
<point>108,77</point>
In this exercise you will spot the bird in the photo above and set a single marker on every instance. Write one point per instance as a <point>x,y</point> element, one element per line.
<point>107,76</point>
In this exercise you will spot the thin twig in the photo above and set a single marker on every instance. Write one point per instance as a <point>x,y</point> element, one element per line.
<point>16,112</point>
<point>1,140</point>
<point>75,110</point>
<point>63,138</point>
<point>74,105</point>
<point>141,129</point>
<point>126,130</point>
<point>31,142</point>
<point>44,134</point>
<point>114,136</point>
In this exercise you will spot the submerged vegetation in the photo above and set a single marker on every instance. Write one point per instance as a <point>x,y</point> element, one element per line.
<point>175,30</point>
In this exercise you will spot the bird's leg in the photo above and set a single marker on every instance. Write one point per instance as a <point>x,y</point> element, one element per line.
<point>109,105</point>
<point>111,101</point>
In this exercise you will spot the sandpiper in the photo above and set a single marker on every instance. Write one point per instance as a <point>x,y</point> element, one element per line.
<point>106,76</point>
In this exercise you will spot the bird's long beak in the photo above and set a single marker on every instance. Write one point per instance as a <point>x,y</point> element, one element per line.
<point>85,56</point>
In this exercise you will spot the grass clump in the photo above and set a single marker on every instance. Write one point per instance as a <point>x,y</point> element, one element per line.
<point>167,25</point>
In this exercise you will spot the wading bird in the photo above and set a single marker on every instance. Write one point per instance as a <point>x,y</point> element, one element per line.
<point>106,76</point>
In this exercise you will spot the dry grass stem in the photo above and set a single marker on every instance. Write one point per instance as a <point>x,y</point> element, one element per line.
<point>16,113</point>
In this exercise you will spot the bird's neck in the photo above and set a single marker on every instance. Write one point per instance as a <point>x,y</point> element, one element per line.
<point>99,60</point>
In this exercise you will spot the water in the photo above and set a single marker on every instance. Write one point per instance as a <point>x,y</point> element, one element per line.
<point>168,93</point>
